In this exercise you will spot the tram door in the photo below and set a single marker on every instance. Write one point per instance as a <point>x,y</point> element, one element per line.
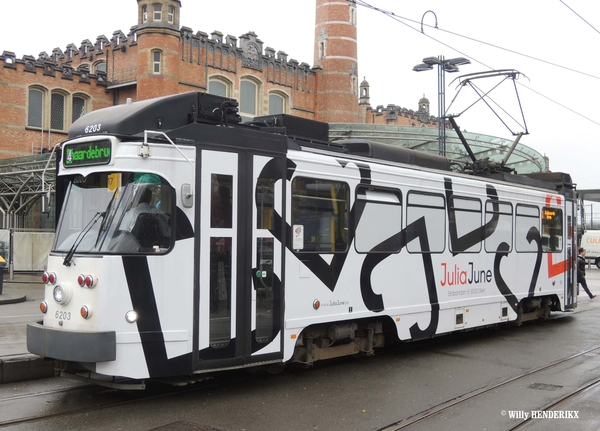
<point>571,255</point>
<point>240,266</point>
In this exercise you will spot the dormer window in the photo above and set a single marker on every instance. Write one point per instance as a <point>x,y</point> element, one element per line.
<point>171,14</point>
<point>144,13</point>
<point>157,12</point>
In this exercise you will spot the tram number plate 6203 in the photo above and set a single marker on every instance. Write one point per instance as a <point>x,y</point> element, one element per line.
<point>63,315</point>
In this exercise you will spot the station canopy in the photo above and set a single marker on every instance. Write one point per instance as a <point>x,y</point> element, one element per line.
<point>524,160</point>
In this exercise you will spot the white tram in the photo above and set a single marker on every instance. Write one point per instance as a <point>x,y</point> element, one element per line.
<point>190,243</point>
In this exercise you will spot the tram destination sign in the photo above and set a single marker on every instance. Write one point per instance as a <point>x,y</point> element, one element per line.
<point>87,153</point>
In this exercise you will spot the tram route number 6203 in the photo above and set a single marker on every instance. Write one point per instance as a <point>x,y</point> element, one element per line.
<point>63,315</point>
<point>93,128</point>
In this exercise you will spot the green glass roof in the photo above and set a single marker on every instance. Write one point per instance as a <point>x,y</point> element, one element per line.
<point>524,159</point>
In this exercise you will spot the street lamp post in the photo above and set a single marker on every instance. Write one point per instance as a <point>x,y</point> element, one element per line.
<point>444,66</point>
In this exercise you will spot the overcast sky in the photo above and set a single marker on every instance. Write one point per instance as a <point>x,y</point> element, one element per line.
<point>389,48</point>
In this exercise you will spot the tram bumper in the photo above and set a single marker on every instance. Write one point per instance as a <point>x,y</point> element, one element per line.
<point>75,346</point>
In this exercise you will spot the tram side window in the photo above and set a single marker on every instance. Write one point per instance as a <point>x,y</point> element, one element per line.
<point>320,215</point>
<point>552,230</point>
<point>466,218</point>
<point>265,200</point>
<point>220,196</point>
<point>432,209</point>
<point>528,217</point>
<point>380,224</point>
<point>502,233</point>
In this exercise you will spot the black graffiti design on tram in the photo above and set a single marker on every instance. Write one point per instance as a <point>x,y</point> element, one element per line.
<point>139,282</point>
<point>329,273</point>
<point>503,248</point>
<point>417,230</point>
<point>476,236</point>
<point>374,302</point>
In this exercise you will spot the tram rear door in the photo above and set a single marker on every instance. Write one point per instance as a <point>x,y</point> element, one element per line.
<point>571,255</point>
<point>239,290</point>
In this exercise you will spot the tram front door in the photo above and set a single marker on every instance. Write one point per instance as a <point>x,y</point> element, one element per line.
<point>239,297</point>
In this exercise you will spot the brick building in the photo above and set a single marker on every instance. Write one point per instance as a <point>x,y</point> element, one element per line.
<point>40,97</point>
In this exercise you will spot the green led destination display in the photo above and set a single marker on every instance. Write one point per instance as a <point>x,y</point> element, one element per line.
<point>87,153</point>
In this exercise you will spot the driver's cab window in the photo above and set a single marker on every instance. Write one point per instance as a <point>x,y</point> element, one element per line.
<point>146,213</point>
<point>120,213</point>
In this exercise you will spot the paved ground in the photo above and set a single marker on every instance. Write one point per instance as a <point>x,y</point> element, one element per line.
<point>19,305</point>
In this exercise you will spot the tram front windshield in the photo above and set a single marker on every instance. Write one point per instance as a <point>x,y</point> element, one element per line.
<point>116,213</point>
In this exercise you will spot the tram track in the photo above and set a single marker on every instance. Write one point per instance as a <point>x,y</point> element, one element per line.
<point>134,397</point>
<point>470,396</point>
<point>561,402</point>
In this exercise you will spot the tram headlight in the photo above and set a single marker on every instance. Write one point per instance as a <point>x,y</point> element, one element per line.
<point>60,294</point>
<point>131,316</point>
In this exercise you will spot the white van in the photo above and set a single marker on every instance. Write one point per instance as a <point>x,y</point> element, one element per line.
<point>591,242</point>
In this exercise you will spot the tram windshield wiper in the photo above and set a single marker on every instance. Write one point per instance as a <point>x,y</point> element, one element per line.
<point>69,257</point>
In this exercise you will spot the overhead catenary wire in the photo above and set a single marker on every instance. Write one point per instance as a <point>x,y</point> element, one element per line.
<point>583,19</point>
<point>401,20</point>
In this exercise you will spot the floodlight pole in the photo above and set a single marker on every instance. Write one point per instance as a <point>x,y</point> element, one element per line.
<point>441,107</point>
<point>443,67</point>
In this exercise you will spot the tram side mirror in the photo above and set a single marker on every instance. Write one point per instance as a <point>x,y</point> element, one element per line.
<point>187,198</point>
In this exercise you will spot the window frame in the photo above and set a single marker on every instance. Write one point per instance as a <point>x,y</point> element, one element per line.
<point>342,218</point>
<point>558,214</point>
<point>445,217</point>
<point>157,12</point>
<point>85,99</point>
<point>246,115</point>
<point>500,213</point>
<point>284,102</point>
<point>43,95</point>
<point>452,204</point>
<point>53,112</point>
<point>156,63</point>
<point>223,81</point>
<point>47,116</point>
<point>521,216</point>
<point>390,191</point>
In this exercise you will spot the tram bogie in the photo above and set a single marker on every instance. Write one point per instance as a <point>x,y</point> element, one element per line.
<point>210,245</point>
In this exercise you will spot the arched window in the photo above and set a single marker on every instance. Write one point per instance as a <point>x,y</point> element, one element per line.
<point>100,67</point>
<point>79,107</point>
<point>171,14</point>
<point>156,62</point>
<point>144,13</point>
<point>157,13</point>
<point>248,99</point>
<point>277,104</point>
<point>35,109</point>
<point>219,87</point>
<point>57,111</point>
